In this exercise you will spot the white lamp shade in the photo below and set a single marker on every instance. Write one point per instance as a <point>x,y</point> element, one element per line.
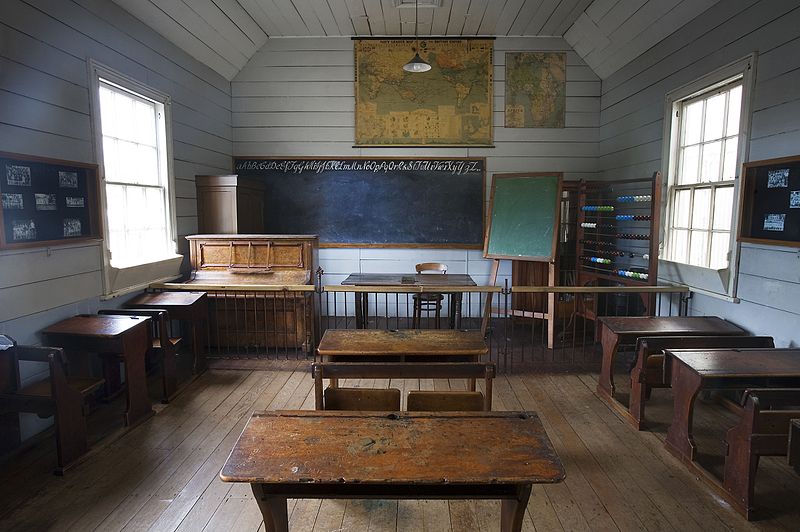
<point>417,64</point>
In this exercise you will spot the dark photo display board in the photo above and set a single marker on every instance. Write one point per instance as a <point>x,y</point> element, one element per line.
<point>771,202</point>
<point>46,201</point>
<point>373,202</point>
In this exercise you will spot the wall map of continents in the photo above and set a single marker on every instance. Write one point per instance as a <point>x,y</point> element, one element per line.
<point>451,104</point>
<point>536,89</point>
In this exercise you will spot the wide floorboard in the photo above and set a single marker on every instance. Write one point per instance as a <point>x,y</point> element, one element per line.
<point>162,475</point>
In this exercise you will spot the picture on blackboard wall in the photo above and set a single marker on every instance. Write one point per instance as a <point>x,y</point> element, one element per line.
<point>46,202</point>
<point>23,230</point>
<point>794,199</point>
<point>13,201</point>
<point>68,179</point>
<point>74,202</point>
<point>778,178</point>
<point>18,176</point>
<point>774,222</point>
<point>72,227</point>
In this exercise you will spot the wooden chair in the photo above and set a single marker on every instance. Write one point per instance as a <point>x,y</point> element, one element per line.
<point>428,301</point>
<point>471,400</point>
<point>649,370</point>
<point>164,347</point>
<point>762,431</point>
<point>56,395</point>
<point>794,445</point>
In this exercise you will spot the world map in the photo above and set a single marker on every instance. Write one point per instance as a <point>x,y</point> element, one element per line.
<point>535,89</point>
<point>449,105</point>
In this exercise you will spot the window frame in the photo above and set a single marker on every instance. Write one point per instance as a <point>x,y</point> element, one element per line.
<point>121,280</point>
<point>720,283</point>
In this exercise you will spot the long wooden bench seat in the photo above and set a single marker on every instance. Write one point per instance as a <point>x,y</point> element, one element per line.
<point>57,395</point>
<point>417,400</point>
<point>762,431</point>
<point>650,372</point>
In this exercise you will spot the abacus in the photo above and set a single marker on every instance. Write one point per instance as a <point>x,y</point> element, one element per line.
<point>617,234</point>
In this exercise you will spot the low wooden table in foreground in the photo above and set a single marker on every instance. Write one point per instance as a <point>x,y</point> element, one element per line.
<point>368,455</point>
<point>345,344</point>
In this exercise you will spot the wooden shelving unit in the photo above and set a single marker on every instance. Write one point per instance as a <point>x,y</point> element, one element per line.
<point>617,240</point>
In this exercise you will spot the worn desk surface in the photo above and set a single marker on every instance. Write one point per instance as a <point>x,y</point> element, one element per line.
<point>369,455</point>
<point>408,279</point>
<point>126,336</point>
<point>621,330</point>
<point>410,342</point>
<point>693,370</point>
<point>166,299</point>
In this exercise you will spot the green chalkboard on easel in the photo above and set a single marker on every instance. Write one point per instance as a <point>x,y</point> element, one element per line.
<point>524,211</point>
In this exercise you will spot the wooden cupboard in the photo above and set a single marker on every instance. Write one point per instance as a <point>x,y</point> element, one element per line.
<point>229,204</point>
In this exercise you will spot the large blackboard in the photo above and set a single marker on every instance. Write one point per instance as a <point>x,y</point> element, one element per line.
<point>771,202</point>
<point>373,201</point>
<point>524,212</point>
<point>46,201</point>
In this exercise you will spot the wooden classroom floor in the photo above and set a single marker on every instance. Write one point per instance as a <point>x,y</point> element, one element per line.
<point>162,475</point>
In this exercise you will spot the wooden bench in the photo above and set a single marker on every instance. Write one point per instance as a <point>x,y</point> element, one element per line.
<point>762,431</point>
<point>794,445</point>
<point>57,395</point>
<point>417,400</point>
<point>164,347</point>
<point>649,370</point>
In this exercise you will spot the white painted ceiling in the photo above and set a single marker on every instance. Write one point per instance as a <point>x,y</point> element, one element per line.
<point>224,34</point>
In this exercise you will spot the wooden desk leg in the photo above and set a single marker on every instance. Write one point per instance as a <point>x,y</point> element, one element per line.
<point>456,322</point>
<point>512,511</point>
<point>686,385</point>
<point>638,392</point>
<point>273,509</point>
<point>135,347</point>
<point>359,297</point>
<point>610,343</point>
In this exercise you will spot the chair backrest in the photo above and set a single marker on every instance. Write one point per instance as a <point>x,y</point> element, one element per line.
<point>445,401</point>
<point>657,344</point>
<point>431,267</point>
<point>362,399</point>
<point>770,411</point>
<point>402,370</point>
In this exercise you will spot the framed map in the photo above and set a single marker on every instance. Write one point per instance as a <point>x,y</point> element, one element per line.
<point>450,105</point>
<point>536,89</point>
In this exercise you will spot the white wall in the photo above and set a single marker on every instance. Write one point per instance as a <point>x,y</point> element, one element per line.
<point>296,98</point>
<point>631,124</point>
<point>44,110</point>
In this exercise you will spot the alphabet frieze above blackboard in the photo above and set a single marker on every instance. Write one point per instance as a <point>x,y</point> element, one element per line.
<point>373,202</point>
<point>318,166</point>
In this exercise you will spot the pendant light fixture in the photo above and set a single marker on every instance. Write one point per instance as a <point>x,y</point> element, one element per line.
<point>417,64</point>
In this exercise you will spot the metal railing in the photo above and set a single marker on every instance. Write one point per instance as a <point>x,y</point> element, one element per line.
<point>536,327</point>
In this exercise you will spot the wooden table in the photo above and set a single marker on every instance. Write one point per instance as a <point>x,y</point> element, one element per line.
<point>454,345</point>
<point>616,331</point>
<point>400,279</point>
<point>693,371</point>
<point>368,455</point>
<point>127,337</point>
<point>190,307</point>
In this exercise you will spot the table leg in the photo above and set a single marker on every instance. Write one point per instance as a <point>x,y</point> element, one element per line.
<point>686,385</point>
<point>512,511</point>
<point>456,322</point>
<point>638,390</point>
<point>610,343</point>
<point>135,350</point>
<point>359,310</point>
<point>273,509</point>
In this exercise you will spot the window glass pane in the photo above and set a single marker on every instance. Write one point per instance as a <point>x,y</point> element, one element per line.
<point>734,111</point>
<point>698,248</point>
<point>701,210</point>
<point>723,208</point>
<point>692,123</point>
<point>145,124</point>
<point>680,245</point>
<point>710,168</point>
<point>719,250</point>
<point>147,171</point>
<point>729,168</point>
<point>690,158</point>
<point>715,117</point>
<point>107,115</point>
<point>681,209</point>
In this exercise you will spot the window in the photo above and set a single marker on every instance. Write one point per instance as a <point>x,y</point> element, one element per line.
<point>705,143</point>
<point>701,195</point>
<point>133,148</point>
